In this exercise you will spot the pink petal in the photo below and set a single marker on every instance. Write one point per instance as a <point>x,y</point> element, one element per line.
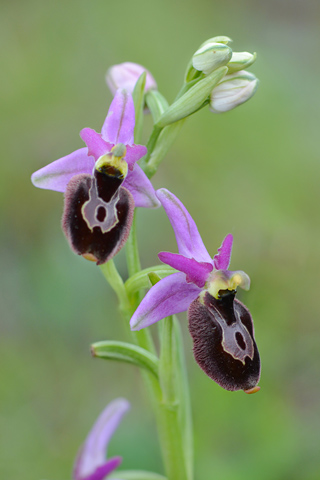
<point>96,145</point>
<point>197,272</point>
<point>119,124</point>
<point>57,174</point>
<point>141,188</point>
<point>188,238</point>
<point>134,153</point>
<point>222,259</point>
<point>170,295</point>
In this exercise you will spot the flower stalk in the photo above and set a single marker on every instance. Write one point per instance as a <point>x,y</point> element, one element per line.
<point>163,392</point>
<point>113,277</point>
<point>169,375</point>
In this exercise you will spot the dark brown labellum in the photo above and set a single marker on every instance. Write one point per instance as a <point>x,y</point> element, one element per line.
<point>108,180</point>
<point>95,221</point>
<point>223,341</point>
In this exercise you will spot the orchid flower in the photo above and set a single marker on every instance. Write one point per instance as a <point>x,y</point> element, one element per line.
<point>102,184</point>
<point>221,326</point>
<point>91,463</point>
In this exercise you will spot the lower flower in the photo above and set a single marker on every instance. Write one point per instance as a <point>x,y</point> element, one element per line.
<point>221,326</point>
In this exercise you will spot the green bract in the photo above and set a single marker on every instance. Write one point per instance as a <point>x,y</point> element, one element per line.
<point>193,99</point>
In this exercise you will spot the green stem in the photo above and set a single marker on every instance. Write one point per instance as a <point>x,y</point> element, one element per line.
<point>151,145</point>
<point>170,409</point>
<point>133,261</point>
<point>163,395</point>
<point>184,397</point>
<point>112,275</point>
<point>161,148</point>
<point>143,337</point>
<point>132,252</point>
<point>166,365</point>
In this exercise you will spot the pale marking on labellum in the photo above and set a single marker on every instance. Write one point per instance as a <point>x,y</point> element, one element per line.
<point>91,207</point>
<point>229,342</point>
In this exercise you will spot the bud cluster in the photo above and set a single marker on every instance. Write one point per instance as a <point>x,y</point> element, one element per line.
<point>237,86</point>
<point>215,76</point>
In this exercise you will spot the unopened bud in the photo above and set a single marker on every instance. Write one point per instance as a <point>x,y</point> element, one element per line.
<point>219,39</point>
<point>125,76</point>
<point>232,91</point>
<point>240,61</point>
<point>211,56</point>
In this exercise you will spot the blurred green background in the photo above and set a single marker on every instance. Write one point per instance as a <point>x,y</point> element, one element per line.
<point>253,172</point>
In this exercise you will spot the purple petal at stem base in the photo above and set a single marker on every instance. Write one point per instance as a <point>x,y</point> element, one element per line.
<point>92,455</point>
<point>103,470</point>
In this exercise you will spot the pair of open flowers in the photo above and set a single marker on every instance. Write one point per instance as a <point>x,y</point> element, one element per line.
<point>103,184</point>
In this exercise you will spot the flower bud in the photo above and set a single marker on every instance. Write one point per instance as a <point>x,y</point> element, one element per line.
<point>240,61</point>
<point>211,56</point>
<point>125,76</point>
<point>233,90</point>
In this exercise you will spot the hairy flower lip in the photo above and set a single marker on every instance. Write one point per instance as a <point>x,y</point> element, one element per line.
<point>97,216</point>
<point>223,341</point>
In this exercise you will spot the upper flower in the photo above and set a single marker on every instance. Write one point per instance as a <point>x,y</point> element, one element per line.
<point>91,463</point>
<point>221,326</point>
<point>102,184</point>
<point>118,128</point>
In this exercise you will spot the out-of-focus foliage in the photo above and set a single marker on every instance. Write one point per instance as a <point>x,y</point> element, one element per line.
<point>253,172</point>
